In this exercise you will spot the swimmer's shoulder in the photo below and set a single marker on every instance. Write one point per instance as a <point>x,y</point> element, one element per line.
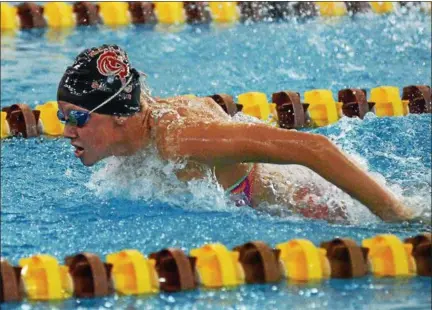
<point>205,106</point>
<point>215,107</point>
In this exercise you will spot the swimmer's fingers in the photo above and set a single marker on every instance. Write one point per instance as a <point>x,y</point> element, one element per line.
<point>406,214</point>
<point>424,218</point>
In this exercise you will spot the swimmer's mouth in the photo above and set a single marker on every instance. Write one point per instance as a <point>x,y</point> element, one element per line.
<point>78,151</point>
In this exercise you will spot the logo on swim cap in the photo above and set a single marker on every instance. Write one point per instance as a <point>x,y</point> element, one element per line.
<point>110,63</point>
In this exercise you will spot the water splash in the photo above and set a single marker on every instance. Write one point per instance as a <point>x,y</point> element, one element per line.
<point>396,152</point>
<point>146,177</point>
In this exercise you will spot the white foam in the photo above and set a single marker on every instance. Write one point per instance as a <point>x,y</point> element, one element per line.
<point>146,177</point>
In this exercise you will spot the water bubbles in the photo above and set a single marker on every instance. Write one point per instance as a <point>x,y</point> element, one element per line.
<point>370,116</point>
<point>68,172</point>
<point>352,67</point>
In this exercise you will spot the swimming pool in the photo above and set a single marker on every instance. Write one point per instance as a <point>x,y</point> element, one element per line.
<point>52,204</point>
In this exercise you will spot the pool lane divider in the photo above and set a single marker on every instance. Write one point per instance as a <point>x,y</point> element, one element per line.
<point>284,111</point>
<point>28,15</point>
<point>213,266</point>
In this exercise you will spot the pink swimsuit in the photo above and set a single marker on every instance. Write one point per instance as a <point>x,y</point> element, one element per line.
<point>241,192</point>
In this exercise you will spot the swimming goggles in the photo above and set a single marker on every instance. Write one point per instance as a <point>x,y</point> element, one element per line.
<point>76,118</point>
<point>80,118</point>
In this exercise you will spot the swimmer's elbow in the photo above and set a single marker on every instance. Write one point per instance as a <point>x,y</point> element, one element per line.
<point>309,150</point>
<point>321,143</point>
<point>320,150</point>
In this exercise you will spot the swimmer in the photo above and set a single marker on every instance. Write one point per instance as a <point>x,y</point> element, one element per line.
<point>108,111</point>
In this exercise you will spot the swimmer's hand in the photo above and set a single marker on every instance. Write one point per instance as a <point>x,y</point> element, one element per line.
<point>421,218</point>
<point>399,212</point>
<point>404,213</point>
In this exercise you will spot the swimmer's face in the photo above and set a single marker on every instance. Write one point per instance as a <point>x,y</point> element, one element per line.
<point>95,140</point>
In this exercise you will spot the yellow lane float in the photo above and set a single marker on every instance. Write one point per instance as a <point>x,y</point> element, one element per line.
<point>303,261</point>
<point>382,7</point>
<point>59,15</point>
<point>5,129</point>
<point>323,109</point>
<point>133,273</point>
<point>217,266</point>
<point>331,8</point>
<point>48,121</point>
<point>170,12</point>
<point>388,101</point>
<point>224,12</point>
<point>115,13</point>
<point>255,104</point>
<point>45,279</point>
<point>9,18</point>
<point>388,256</point>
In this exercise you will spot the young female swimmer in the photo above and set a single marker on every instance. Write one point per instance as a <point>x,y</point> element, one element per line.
<point>108,112</point>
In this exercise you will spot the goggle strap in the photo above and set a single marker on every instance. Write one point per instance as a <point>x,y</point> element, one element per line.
<point>113,96</point>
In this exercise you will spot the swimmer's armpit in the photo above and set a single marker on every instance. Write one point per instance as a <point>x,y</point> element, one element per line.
<point>228,143</point>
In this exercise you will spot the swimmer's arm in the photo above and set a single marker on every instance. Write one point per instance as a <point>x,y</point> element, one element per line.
<point>227,143</point>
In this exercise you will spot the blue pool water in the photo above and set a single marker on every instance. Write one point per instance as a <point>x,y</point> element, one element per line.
<point>51,204</point>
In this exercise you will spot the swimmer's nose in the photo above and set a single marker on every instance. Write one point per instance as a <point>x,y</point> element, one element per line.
<point>70,132</point>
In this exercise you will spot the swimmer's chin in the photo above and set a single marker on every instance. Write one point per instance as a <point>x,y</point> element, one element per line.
<point>88,163</point>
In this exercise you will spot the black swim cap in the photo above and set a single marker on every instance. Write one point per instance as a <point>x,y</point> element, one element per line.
<point>96,75</point>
